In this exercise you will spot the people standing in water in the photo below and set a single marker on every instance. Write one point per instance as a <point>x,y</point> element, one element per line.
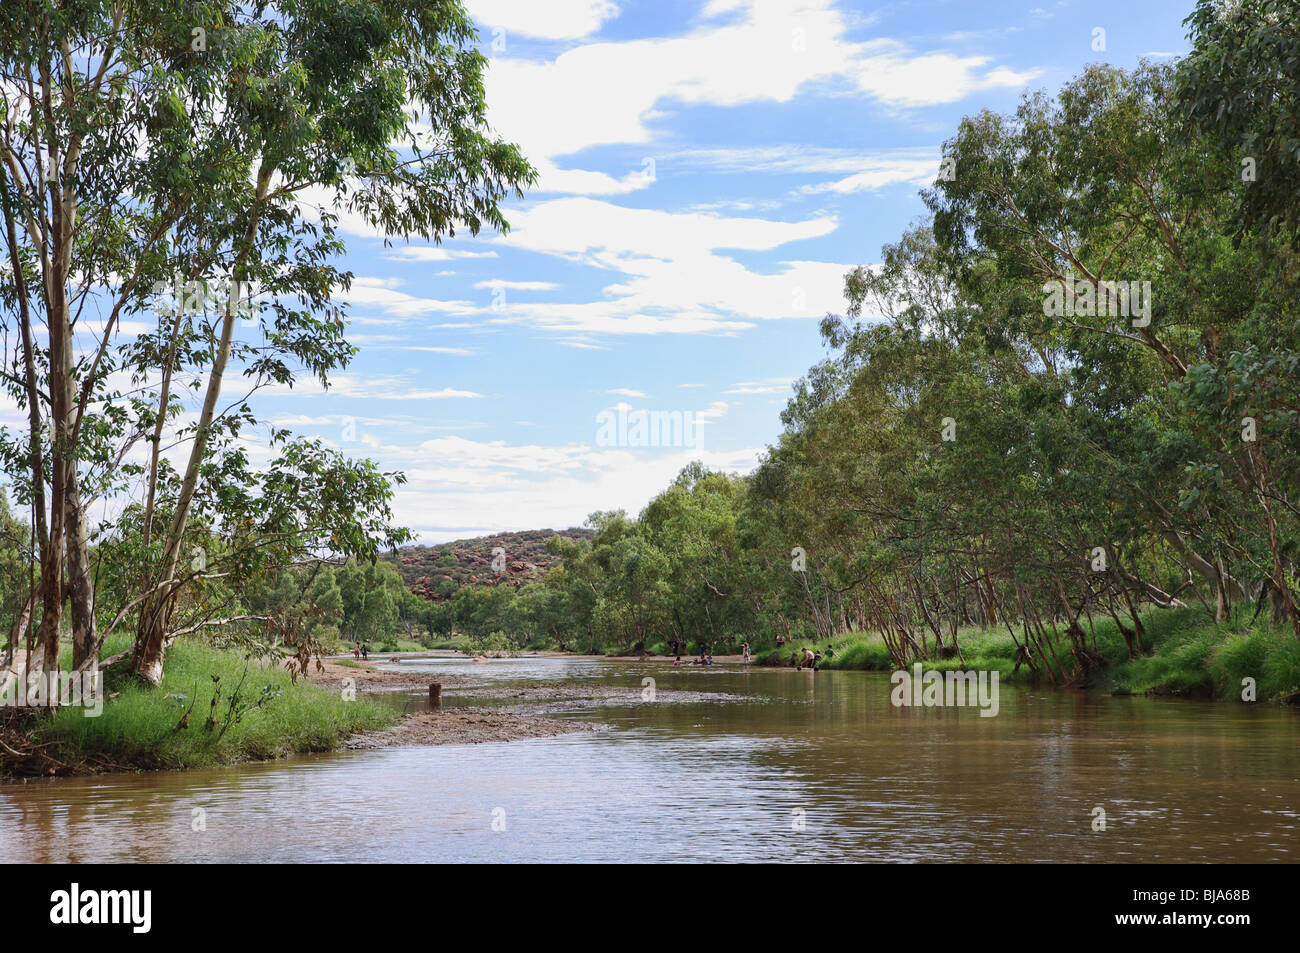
<point>364,653</point>
<point>356,650</point>
<point>744,651</point>
<point>809,659</point>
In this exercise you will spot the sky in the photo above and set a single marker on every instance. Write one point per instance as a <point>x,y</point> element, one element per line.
<point>709,171</point>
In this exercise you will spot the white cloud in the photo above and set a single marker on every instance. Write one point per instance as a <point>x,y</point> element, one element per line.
<point>552,20</point>
<point>608,90</point>
<point>551,178</point>
<point>714,411</point>
<point>421,348</point>
<point>458,487</point>
<point>397,342</point>
<point>767,51</point>
<point>772,385</point>
<point>368,388</point>
<point>896,77</point>
<point>517,285</point>
<point>434,253</point>
<point>604,234</point>
<point>673,276</point>
<point>381,294</point>
<point>879,174</point>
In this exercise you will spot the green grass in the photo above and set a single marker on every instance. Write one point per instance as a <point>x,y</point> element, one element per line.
<point>1207,659</point>
<point>138,726</point>
<point>1186,654</point>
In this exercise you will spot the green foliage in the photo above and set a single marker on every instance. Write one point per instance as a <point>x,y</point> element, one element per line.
<point>492,644</point>
<point>1205,659</point>
<point>1241,86</point>
<point>257,713</point>
<point>1189,656</point>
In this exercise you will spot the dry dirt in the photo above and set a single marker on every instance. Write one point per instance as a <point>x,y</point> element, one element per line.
<point>368,679</point>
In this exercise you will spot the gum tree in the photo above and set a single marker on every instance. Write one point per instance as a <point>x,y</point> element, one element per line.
<point>145,142</point>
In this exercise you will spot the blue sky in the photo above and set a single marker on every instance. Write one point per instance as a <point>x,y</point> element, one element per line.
<point>709,172</point>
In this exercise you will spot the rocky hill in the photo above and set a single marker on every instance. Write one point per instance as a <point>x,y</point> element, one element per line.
<point>437,571</point>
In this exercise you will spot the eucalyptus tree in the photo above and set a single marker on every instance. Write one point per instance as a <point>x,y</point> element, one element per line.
<point>693,525</point>
<point>1240,84</point>
<point>1094,234</point>
<point>212,144</point>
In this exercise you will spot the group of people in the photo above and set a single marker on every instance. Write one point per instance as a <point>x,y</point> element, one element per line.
<point>359,651</point>
<point>809,659</point>
<point>702,660</point>
<point>675,647</point>
<point>801,659</point>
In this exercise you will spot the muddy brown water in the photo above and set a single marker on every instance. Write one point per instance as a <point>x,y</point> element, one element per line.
<point>802,766</point>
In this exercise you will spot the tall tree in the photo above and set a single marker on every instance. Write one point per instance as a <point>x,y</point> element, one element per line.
<point>145,142</point>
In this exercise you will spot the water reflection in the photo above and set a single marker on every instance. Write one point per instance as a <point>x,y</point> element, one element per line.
<point>1179,781</point>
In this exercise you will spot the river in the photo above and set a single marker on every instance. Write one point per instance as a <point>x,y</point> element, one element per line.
<point>805,766</point>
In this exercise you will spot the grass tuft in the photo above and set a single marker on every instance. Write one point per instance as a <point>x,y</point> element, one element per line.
<point>1185,653</point>
<point>141,727</point>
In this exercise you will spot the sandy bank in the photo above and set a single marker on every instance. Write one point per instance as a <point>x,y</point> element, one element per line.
<point>367,679</point>
<point>459,726</point>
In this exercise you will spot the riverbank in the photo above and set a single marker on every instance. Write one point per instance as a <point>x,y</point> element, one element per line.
<point>215,707</point>
<point>1186,655</point>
